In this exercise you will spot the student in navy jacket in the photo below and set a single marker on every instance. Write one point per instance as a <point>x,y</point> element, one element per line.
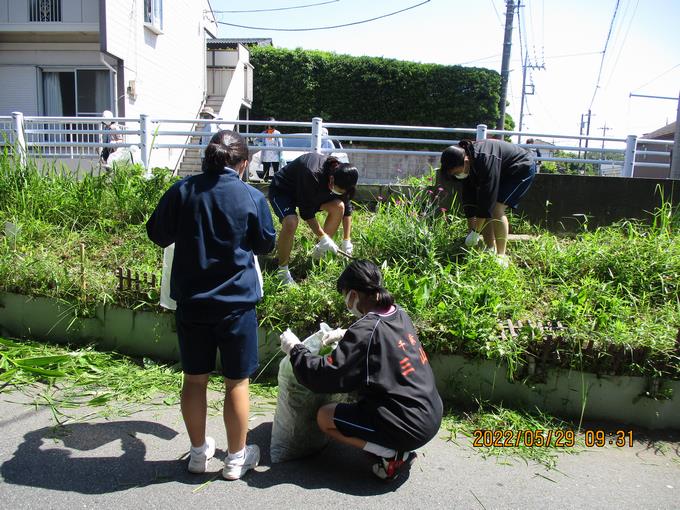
<point>217,223</point>
<point>495,175</point>
<point>381,359</point>
<point>311,183</point>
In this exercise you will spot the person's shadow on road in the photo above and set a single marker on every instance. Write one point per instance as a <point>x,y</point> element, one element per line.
<point>60,458</point>
<point>338,467</point>
<point>65,459</point>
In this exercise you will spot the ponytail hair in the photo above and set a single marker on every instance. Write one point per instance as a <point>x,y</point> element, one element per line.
<point>469,147</point>
<point>226,149</point>
<point>364,276</point>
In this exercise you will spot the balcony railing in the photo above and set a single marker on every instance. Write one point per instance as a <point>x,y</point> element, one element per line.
<point>44,11</point>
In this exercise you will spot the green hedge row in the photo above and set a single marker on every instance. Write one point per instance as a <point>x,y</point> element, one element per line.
<point>300,84</point>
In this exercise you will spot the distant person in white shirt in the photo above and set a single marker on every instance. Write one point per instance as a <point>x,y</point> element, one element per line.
<point>112,135</point>
<point>212,127</point>
<point>270,158</point>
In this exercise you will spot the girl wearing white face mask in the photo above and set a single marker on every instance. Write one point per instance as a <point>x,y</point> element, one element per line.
<point>495,175</point>
<point>381,359</point>
<point>309,184</point>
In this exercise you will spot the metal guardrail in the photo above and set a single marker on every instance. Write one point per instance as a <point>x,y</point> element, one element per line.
<point>81,137</point>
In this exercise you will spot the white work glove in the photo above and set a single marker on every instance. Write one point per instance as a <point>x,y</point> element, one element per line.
<point>332,336</point>
<point>347,246</point>
<point>324,245</point>
<point>472,238</point>
<point>288,341</point>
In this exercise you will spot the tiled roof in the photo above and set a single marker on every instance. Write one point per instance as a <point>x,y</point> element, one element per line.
<point>668,129</point>
<point>232,42</point>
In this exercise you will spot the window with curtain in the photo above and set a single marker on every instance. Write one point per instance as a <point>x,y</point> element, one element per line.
<point>94,92</point>
<point>74,93</point>
<point>153,13</point>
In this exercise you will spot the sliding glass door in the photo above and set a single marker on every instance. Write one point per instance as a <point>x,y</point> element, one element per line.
<point>75,93</point>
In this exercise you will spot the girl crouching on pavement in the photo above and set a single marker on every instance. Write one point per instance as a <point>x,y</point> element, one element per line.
<point>380,358</point>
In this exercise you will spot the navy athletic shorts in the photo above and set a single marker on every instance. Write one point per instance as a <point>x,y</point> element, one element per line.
<point>283,206</point>
<point>513,188</point>
<point>352,420</point>
<point>234,335</point>
<point>362,420</point>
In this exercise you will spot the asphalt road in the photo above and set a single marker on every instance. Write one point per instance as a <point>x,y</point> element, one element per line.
<point>136,462</point>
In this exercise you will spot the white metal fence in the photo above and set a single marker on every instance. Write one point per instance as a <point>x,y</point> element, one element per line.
<point>81,137</point>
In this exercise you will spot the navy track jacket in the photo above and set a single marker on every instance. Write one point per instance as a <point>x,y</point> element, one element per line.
<point>217,222</point>
<point>494,160</point>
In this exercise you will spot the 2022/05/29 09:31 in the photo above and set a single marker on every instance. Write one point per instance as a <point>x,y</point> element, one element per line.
<point>558,438</point>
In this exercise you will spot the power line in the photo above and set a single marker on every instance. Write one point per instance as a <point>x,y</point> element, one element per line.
<point>500,21</point>
<point>479,59</point>
<point>604,53</point>
<point>623,42</point>
<point>569,55</point>
<point>326,27</point>
<point>657,77</point>
<point>575,54</point>
<point>279,8</point>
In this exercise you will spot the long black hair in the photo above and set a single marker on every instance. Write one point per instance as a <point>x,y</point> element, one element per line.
<point>344,175</point>
<point>454,156</point>
<point>226,149</point>
<point>364,276</point>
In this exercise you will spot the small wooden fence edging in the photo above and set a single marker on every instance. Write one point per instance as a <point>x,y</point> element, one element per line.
<point>140,283</point>
<point>550,351</point>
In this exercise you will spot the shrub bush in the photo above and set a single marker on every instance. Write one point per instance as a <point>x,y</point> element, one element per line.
<point>301,84</point>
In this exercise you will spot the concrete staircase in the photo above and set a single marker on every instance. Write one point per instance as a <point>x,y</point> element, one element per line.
<point>191,162</point>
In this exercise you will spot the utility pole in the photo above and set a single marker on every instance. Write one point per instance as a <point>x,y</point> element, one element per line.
<point>526,65</point>
<point>675,155</point>
<point>580,134</point>
<point>585,153</point>
<point>505,65</point>
<point>604,133</point>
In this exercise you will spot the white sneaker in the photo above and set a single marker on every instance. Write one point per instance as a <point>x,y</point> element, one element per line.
<point>286,278</point>
<point>198,462</point>
<point>235,469</point>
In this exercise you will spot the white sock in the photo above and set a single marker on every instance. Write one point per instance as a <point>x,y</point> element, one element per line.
<point>237,455</point>
<point>199,449</point>
<point>380,451</point>
<point>283,269</point>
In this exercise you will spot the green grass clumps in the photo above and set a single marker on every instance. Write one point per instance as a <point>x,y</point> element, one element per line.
<point>615,289</point>
<point>507,435</point>
<point>80,378</point>
<point>79,383</point>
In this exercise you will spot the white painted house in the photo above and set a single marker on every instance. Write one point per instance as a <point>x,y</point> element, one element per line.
<point>77,58</point>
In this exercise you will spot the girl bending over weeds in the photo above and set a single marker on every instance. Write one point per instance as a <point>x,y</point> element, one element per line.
<point>495,175</point>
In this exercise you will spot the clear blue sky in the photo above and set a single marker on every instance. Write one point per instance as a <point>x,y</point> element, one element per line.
<point>568,36</point>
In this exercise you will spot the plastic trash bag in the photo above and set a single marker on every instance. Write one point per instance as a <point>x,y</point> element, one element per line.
<point>295,432</point>
<point>168,257</point>
<point>125,156</point>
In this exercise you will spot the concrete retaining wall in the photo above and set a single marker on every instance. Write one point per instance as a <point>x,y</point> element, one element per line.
<point>564,202</point>
<point>386,167</point>
<point>565,393</point>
